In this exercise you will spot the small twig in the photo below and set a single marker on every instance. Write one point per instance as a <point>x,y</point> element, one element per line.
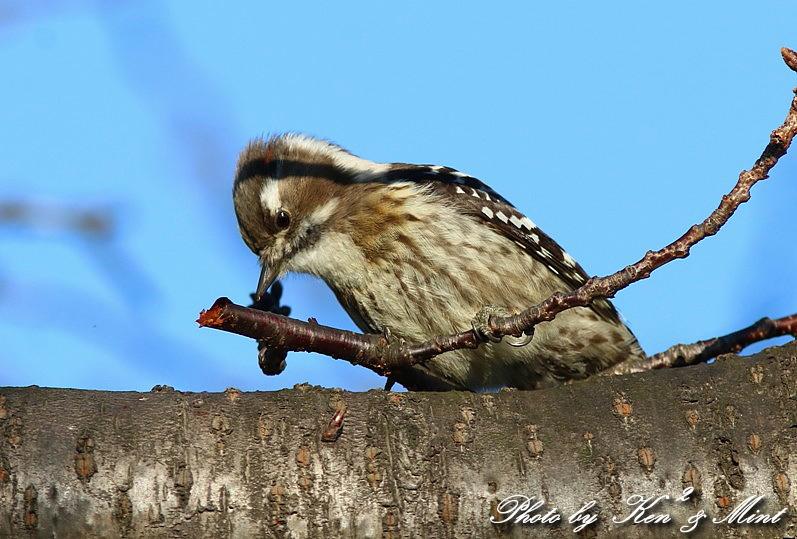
<point>682,355</point>
<point>274,330</point>
<point>375,353</point>
<point>790,57</point>
<point>607,287</point>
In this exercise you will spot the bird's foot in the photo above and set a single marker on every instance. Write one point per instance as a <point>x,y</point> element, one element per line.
<point>481,323</point>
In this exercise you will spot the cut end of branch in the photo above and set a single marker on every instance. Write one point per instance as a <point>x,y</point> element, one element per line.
<point>213,317</point>
<point>790,57</point>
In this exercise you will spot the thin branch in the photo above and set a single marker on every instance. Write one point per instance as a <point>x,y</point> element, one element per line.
<point>283,333</point>
<point>790,57</point>
<point>682,355</point>
<point>607,287</point>
<point>381,356</point>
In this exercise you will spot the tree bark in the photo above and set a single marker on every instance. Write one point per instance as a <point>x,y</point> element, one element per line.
<point>172,464</point>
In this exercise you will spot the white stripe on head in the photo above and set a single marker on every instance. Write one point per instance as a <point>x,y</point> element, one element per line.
<point>270,196</point>
<point>322,214</point>
<point>363,169</point>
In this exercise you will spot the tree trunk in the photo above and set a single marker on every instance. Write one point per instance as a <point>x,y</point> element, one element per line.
<point>170,464</point>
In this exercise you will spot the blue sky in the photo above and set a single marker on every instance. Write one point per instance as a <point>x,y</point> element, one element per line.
<point>612,126</point>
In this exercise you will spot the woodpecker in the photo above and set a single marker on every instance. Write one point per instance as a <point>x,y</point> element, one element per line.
<point>416,251</point>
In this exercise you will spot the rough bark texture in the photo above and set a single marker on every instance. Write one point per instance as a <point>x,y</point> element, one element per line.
<point>171,464</point>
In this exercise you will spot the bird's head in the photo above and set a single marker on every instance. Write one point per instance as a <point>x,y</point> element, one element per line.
<point>289,192</point>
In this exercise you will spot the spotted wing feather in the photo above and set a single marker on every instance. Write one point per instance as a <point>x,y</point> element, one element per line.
<point>478,199</point>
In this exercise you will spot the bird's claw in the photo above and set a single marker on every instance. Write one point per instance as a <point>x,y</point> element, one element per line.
<point>521,341</point>
<point>481,323</point>
<point>387,334</point>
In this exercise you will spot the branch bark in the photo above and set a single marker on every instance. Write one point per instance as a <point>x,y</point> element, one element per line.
<point>172,464</point>
<point>681,355</point>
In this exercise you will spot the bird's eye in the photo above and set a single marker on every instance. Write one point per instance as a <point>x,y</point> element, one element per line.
<point>283,219</point>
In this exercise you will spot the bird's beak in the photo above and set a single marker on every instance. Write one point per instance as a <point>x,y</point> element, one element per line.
<point>267,276</point>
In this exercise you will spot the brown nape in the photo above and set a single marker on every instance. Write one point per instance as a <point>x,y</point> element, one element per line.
<point>375,220</point>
